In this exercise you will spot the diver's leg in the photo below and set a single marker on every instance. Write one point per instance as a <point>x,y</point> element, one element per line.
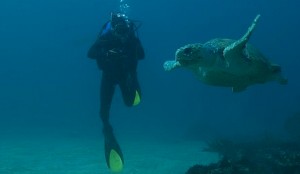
<point>130,89</point>
<point>106,94</point>
<point>113,153</point>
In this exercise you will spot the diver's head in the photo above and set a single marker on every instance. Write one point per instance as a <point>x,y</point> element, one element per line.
<point>120,25</point>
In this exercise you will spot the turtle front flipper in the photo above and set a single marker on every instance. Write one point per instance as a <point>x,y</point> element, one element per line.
<point>171,64</point>
<point>235,51</point>
<point>239,88</point>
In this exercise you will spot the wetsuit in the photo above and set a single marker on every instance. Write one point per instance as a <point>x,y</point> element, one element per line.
<point>118,59</point>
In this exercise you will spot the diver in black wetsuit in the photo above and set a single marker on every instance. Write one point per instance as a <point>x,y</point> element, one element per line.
<point>117,52</point>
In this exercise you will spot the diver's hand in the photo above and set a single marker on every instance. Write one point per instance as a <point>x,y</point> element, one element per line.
<point>114,53</point>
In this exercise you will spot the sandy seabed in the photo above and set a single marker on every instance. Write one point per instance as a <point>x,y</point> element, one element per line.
<point>75,155</point>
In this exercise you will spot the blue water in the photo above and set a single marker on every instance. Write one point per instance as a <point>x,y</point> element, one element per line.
<point>49,87</point>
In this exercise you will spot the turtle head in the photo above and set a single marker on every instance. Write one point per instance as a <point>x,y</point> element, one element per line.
<point>189,55</point>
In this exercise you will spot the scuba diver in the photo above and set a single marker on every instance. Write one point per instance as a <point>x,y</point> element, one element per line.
<point>117,51</point>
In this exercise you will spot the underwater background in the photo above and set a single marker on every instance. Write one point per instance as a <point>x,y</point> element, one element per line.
<point>50,89</point>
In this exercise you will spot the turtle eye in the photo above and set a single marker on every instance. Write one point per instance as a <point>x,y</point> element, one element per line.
<point>187,51</point>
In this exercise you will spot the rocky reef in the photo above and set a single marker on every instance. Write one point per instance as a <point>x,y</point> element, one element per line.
<point>261,157</point>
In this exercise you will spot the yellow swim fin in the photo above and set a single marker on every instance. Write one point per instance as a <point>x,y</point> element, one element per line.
<point>115,161</point>
<point>137,98</point>
<point>113,154</point>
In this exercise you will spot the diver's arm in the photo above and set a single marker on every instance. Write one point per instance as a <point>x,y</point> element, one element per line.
<point>97,50</point>
<point>140,53</point>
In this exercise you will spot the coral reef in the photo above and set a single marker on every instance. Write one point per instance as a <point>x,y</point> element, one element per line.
<point>259,157</point>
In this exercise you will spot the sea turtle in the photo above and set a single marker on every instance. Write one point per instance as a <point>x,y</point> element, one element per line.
<point>227,62</point>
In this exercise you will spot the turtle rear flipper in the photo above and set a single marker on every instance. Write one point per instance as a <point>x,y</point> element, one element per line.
<point>276,70</point>
<point>283,81</point>
<point>235,51</point>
